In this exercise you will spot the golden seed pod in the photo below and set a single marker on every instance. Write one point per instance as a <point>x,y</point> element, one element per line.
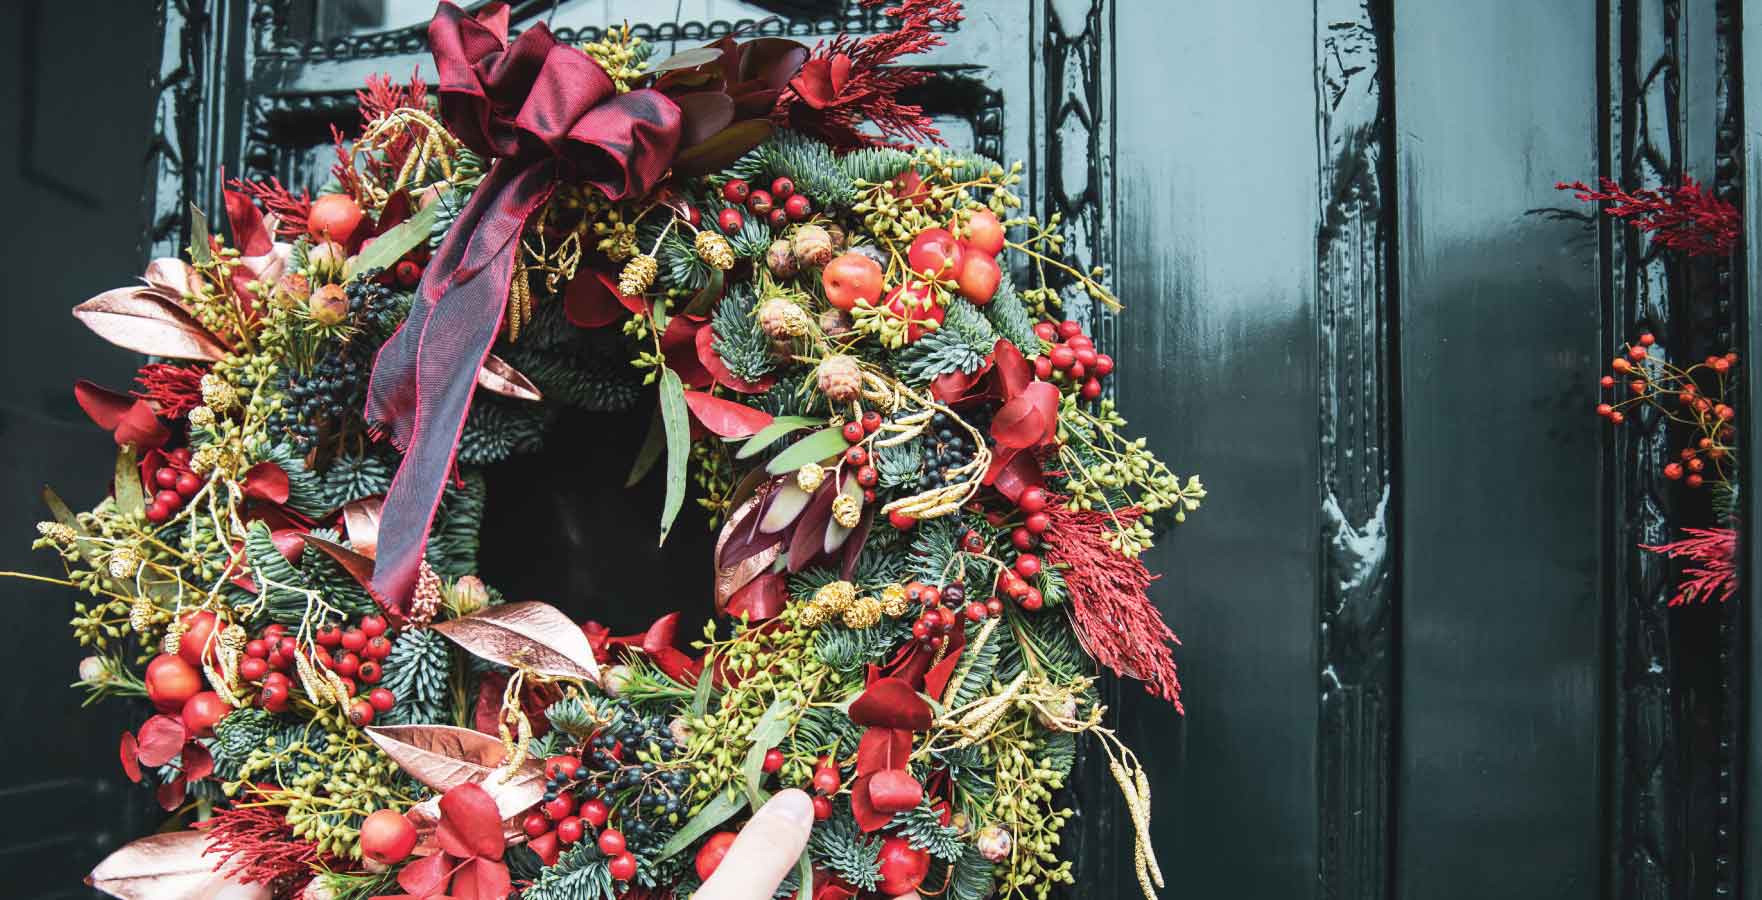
<point>865,612</point>
<point>809,477</point>
<point>124,561</point>
<point>836,596</point>
<point>847,511</point>
<point>637,275</point>
<point>894,602</point>
<point>57,532</point>
<point>713,248</point>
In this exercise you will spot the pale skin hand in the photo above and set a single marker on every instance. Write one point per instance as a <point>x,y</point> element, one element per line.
<point>765,852</point>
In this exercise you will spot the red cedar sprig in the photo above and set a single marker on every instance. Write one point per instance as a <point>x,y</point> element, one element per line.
<point>1688,218</point>
<point>1110,604</point>
<point>1713,574</point>
<point>256,846</point>
<point>290,212</point>
<point>173,390</point>
<point>871,89</point>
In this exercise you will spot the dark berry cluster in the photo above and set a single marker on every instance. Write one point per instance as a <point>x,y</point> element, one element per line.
<point>948,446</point>
<point>323,400</point>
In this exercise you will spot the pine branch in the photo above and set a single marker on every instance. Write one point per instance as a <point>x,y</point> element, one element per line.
<point>971,877</point>
<point>838,846</point>
<point>874,165</point>
<point>417,672</point>
<point>960,344</point>
<point>744,347</point>
<point>1010,318</point>
<point>922,827</point>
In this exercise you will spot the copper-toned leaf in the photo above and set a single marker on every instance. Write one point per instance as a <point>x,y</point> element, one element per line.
<point>165,866</point>
<point>136,319</point>
<point>359,567</point>
<point>497,377</point>
<point>531,635</point>
<point>731,578</point>
<point>444,757</point>
<point>687,59</point>
<point>723,148</point>
<point>361,524</point>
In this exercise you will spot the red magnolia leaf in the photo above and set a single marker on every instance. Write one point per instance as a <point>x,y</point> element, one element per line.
<point>762,598</point>
<point>168,865</point>
<point>894,790</point>
<point>722,149</point>
<point>1029,419</point>
<point>891,703</point>
<point>533,635</point>
<point>198,763</point>
<point>953,387</point>
<point>706,354</point>
<point>881,749</point>
<point>725,418</point>
<point>361,524</point>
<point>105,406</point>
<point>470,825</point>
<point>702,115</point>
<point>160,740</point>
<point>130,751</point>
<point>863,810</point>
<point>426,877</point>
<point>497,377</point>
<point>266,481</point>
<point>732,578</point>
<point>291,542</point>
<point>135,319</point>
<point>482,879</point>
<point>809,540</point>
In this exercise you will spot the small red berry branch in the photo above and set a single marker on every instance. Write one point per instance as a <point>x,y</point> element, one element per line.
<point>1694,397</point>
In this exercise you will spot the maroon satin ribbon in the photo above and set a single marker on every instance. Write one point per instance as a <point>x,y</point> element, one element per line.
<point>543,111</point>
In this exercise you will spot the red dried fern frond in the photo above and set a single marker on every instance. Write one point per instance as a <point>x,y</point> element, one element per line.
<point>1110,606</point>
<point>1713,573</point>
<point>256,846</point>
<point>173,390</point>
<point>344,167</point>
<point>1689,218</point>
<point>380,96</point>
<point>290,212</point>
<point>850,81</point>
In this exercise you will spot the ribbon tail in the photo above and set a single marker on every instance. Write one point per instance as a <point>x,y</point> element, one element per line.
<point>424,377</point>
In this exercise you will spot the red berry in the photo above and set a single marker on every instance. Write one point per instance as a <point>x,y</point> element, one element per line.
<point>827,780</point>
<point>559,807</point>
<point>287,646</point>
<point>251,668</point>
<point>1617,417</point>
<point>1062,356</point>
<point>377,648</point>
<point>1696,465</point>
<point>1046,331</point>
<point>408,272</point>
<point>901,521</point>
<point>1103,365</point>
<point>334,217</point>
<point>535,824</point>
<point>169,499</point>
<point>1080,342</point>
<point>347,665</point>
<point>171,682</point>
<point>157,512</point>
<point>853,431</point>
<point>183,454</point>
<point>1022,539</point>
<point>1032,500</point>
<point>387,837</point>
<point>202,712</point>
<point>972,542</point>
<point>370,671</point>
<point>329,635</point>
<point>198,634</point>
<point>372,625</point>
<point>1693,481</point>
<point>569,830</point>
<point>611,842</point>
<point>856,456</point>
<point>822,808</point>
<point>382,700</point>
<point>596,812</point>
<point>871,421</point>
<point>622,867</point>
<point>1620,365</point>
<point>1091,389</point>
<point>1084,355</point>
<point>1043,367</point>
<point>360,713</point>
<point>976,611</point>
<point>903,867</point>
<point>1032,600</point>
<point>1607,381</point>
<point>935,254</point>
<point>1647,340</point>
<point>165,477</point>
<point>1038,522</point>
<point>994,606</point>
<point>1605,410</point>
<point>773,760</point>
<point>798,207</point>
<point>276,660</point>
<point>931,595</point>
<point>1636,353</point>
<point>274,697</point>
<point>760,202</point>
<point>782,187</point>
<point>867,476</point>
<point>778,219</point>
<point>1069,328</point>
<point>257,649</point>
<point>1673,471</point>
<point>736,190</point>
<point>730,220</point>
<point>985,232</point>
<point>354,639</point>
<point>1077,370</point>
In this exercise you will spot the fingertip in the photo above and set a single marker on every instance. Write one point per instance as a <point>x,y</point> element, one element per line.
<point>790,807</point>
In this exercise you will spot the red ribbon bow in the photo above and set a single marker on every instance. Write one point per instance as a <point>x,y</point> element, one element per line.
<point>544,111</point>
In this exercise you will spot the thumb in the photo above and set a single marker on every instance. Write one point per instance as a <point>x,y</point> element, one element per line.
<point>765,851</point>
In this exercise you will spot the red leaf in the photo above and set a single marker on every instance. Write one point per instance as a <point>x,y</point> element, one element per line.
<point>140,428</point>
<point>936,680</point>
<point>470,826</point>
<point>1014,471</point>
<point>706,354</point>
<point>725,418</point>
<point>679,345</point>
<point>891,703</point>
<point>161,738</point>
<point>1014,372</point>
<point>953,387</point>
<point>266,481</point>
<point>1029,419</point>
<point>198,763</point>
<point>762,598</point>
<point>592,300</point>
<point>248,233</point>
<point>482,879</point>
<point>863,810</point>
<point>426,877</point>
<point>359,568</point>
<point>130,751</point>
<point>171,793</point>
<point>290,541</point>
<point>105,406</point>
<point>881,749</point>
<point>894,790</point>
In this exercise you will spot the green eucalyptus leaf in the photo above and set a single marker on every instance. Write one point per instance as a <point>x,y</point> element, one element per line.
<point>129,497</point>
<point>718,810</point>
<point>769,434</point>
<point>678,426</point>
<point>770,731</point>
<point>650,453</point>
<point>385,250</point>
<point>813,448</point>
<point>201,249</point>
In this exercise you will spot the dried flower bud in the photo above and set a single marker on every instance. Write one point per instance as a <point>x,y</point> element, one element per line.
<point>835,596</point>
<point>638,274</point>
<point>329,305</point>
<point>200,417</point>
<point>679,730</point>
<point>836,233</point>
<point>57,532</point>
<point>713,248</point>
<point>782,318</point>
<point>839,378</point>
<point>812,615</point>
<point>123,562</point>
<point>847,511</point>
<point>994,842</point>
<point>835,322</point>
<point>613,680</point>
<point>780,259</point>
<point>809,477</point>
<point>894,602</point>
<point>92,668</point>
<point>865,612</point>
<point>292,289</point>
<point>325,261</point>
<point>218,394</point>
<point>812,245</point>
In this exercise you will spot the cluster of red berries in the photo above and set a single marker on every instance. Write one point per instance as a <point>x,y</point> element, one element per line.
<point>1072,359</point>
<point>779,206</point>
<point>564,820</point>
<point>174,680</point>
<point>937,620</point>
<point>173,484</point>
<point>857,457</point>
<point>355,654</point>
<point>1694,461</point>
<point>1660,383</point>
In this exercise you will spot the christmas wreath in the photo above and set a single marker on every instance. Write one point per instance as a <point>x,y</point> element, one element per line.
<point>930,515</point>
